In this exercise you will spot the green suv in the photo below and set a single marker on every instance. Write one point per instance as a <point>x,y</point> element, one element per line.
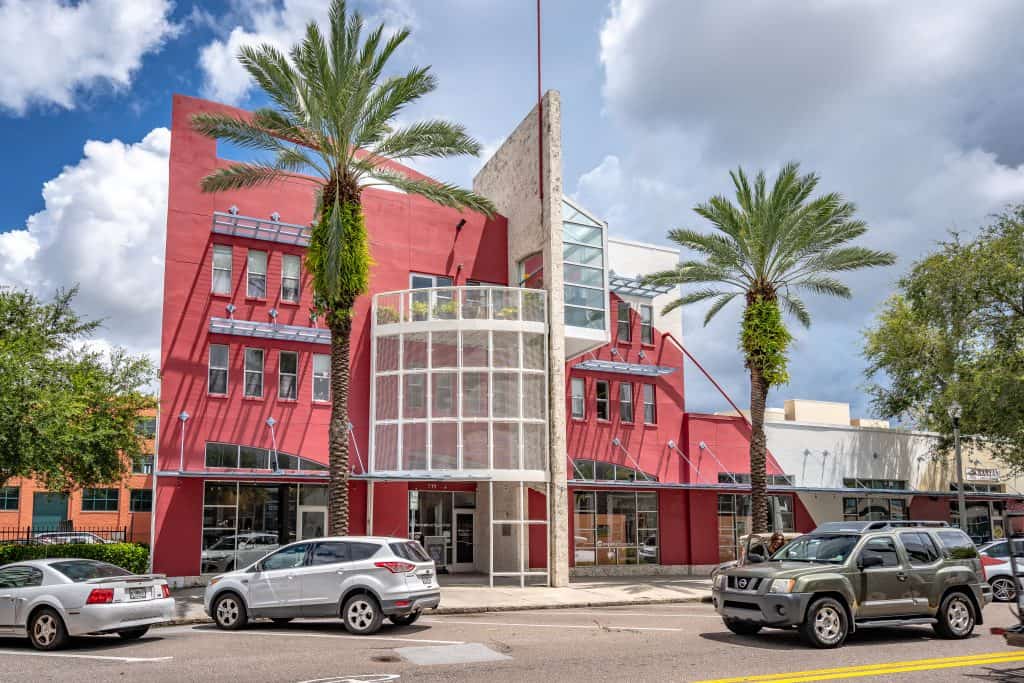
<point>849,575</point>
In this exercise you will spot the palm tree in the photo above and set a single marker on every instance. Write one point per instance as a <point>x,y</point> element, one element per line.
<point>332,124</point>
<point>770,247</point>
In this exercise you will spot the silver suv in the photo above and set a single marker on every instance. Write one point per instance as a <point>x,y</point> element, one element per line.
<point>362,579</point>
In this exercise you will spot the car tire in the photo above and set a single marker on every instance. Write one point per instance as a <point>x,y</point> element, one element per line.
<point>280,621</point>
<point>1002,589</point>
<point>956,617</point>
<point>742,628</point>
<point>133,633</point>
<point>46,630</point>
<point>405,619</point>
<point>361,615</point>
<point>229,612</point>
<point>825,625</point>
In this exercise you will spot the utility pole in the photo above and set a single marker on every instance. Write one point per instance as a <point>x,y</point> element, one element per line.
<point>955,411</point>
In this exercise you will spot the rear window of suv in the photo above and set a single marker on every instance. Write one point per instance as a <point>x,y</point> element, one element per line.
<point>957,544</point>
<point>410,550</point>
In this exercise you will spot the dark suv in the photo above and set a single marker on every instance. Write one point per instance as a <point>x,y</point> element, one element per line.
<point>849,575</point>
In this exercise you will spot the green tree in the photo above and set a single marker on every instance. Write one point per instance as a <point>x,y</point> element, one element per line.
<point>67,414</point>
<point>768,248</point>
<point>333,123</point>
<point>954,332</point>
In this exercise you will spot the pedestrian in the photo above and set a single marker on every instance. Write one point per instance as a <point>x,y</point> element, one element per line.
<point>775,542</point>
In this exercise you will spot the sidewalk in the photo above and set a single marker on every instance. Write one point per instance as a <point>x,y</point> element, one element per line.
<point>465,599</point>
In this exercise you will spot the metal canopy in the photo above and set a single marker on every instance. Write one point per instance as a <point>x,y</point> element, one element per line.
<point>624,284</point>
<point>269,330</point>
<point>624,368</point>
<point>260,229</point>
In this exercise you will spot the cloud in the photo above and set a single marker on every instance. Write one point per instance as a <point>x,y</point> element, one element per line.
<point>56,50</point>
<point>281,25</point>
<point>907,113</point>
<point>102,228</point>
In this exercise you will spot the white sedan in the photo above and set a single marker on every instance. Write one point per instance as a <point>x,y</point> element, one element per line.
<point>50,600</point>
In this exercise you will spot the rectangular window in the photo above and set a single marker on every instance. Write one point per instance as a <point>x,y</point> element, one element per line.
<point>141,500</point>
<point>100,500</point>
<point>290,278</point>
<point>254,373</point>
<point>146,427</point>
<point>221,283</point>
<point>624,331</point>
<point>601,392</point>
<point>578,398</point>
<point>256,277</point>
<point>144,465</point>
<point>9,498</point>
<point>646,324</point>
<point>287,375</point>
<point>218,380</point>
<point>868,509</point>
<point>614,527</point>
<point>877,484</point>
<point>650,410</point>
<point>734,520</point>
<point>626,401</point>
<point>321,377</point>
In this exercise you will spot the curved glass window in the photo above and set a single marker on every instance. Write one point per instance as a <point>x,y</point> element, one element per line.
<point>235,456</point>
<point>597,470</point>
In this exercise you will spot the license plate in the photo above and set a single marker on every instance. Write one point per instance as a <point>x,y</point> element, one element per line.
<point>426,578</point>
<point>138,593</point>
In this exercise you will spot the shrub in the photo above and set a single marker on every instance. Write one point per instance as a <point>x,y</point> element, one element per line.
<point>130,556</point>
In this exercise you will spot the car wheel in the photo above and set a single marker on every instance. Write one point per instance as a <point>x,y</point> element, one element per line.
<point>229,612</point>
<point>133,633</point>
<point>281,620</point>
<point>405,619</point>
<point>825,625</point>
<point>361,615</point>
<point>956,617</point>
<point>46,630</point>
<point>1002,589</point>
<point>742,628</point>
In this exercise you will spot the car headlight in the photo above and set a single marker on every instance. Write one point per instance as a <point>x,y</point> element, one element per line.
<point>720,581</point>
<point>782,586</point>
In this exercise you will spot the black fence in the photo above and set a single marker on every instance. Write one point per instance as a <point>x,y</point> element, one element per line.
<point>66,533</point>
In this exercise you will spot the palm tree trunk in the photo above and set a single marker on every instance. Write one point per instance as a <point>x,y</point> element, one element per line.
<point>337,511</point>
<point>758,452</point>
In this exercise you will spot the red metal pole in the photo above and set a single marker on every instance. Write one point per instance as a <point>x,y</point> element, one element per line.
<point>540,117</point>
<point>706,374</point>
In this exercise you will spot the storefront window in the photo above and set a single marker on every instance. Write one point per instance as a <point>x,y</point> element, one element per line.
<point>613,527</point>
<point>984,520</point>
<point>869,508</point>
<point>734,520</point>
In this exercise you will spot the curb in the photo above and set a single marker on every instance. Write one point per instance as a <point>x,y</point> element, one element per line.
<point>184,621</point>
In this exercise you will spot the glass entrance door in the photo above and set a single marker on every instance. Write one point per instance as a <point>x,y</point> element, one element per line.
<point>465,524</point>
<point>312,521</point>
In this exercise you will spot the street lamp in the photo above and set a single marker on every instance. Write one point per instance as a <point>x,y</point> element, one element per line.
<point>955,411</point>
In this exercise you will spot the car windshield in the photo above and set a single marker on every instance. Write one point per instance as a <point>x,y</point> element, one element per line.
<point>832,549</point>
<point>84,570</point>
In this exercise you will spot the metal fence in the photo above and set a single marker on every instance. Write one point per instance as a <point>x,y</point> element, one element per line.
<point>70,533</point>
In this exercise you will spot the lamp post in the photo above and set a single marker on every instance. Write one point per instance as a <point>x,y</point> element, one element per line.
<point>955,411</point>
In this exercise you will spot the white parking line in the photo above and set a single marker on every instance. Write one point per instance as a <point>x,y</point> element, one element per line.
<point>593,627</point>
<point>128,660</point>
<point>297,634</point>
<point>622,614</point>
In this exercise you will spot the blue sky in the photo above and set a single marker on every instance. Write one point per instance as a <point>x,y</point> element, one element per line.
<point>911,112</point>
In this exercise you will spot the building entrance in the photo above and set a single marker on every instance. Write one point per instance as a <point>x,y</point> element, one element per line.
<point>444,522</point>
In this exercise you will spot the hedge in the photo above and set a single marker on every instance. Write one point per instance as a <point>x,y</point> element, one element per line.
<point>130,556</point>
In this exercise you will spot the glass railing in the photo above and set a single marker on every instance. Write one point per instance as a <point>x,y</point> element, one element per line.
<point>461,303</point>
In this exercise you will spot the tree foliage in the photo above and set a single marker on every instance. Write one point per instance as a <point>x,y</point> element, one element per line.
<point>954,332</point>
<point>67,414</point>
<point>770,247</point>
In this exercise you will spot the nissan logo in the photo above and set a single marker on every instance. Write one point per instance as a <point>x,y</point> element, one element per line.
<point>742,583</point>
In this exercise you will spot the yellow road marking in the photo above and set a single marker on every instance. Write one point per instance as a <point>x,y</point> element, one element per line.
<point>865,670</point>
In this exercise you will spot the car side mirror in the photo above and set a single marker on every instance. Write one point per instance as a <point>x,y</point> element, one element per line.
<point>256,568</point>
<point>754,558</point>
<point>870,561</point>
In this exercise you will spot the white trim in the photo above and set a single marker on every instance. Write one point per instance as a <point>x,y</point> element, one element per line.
<point>645,245</point>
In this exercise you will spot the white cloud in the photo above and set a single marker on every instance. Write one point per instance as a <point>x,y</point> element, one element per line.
<point>102,228</point>
<point>907,113</point>
<point>54,50</point>
<point>281,25</point>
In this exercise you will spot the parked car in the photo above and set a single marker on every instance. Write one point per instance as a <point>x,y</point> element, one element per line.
<point>360,579</point>
<point>239,550</point>
<point>996,557</point>
<point>50,600</point>
<point>849,575</point>
<point>58,537</point>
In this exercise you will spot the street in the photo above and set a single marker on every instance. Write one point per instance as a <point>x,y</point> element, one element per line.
<point>685,642</point>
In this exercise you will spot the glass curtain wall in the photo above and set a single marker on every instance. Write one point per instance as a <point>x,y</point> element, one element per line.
<point>734,520</point>
<point>583,255</point>
<point>613,527</point>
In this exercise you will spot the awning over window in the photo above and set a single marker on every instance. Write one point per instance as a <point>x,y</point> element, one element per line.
<point>641,369</point>
<point>624,284</point>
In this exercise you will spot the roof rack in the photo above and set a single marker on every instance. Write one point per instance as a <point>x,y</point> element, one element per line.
<point>896,524</point>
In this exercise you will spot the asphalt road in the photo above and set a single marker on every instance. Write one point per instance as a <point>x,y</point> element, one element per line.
<point>656,643</point>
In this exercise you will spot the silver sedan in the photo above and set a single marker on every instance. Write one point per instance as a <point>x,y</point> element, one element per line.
<point>50,600</point>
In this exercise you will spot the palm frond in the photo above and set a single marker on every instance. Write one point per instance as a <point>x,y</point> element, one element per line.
<point>239,176</point>
<point>428,139</point>
<point>691,272</point>
<point>234,129</point>
<point>718,305</point>
<point>796,308</point>
<point>820,284</point>
<point>444,194</point>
